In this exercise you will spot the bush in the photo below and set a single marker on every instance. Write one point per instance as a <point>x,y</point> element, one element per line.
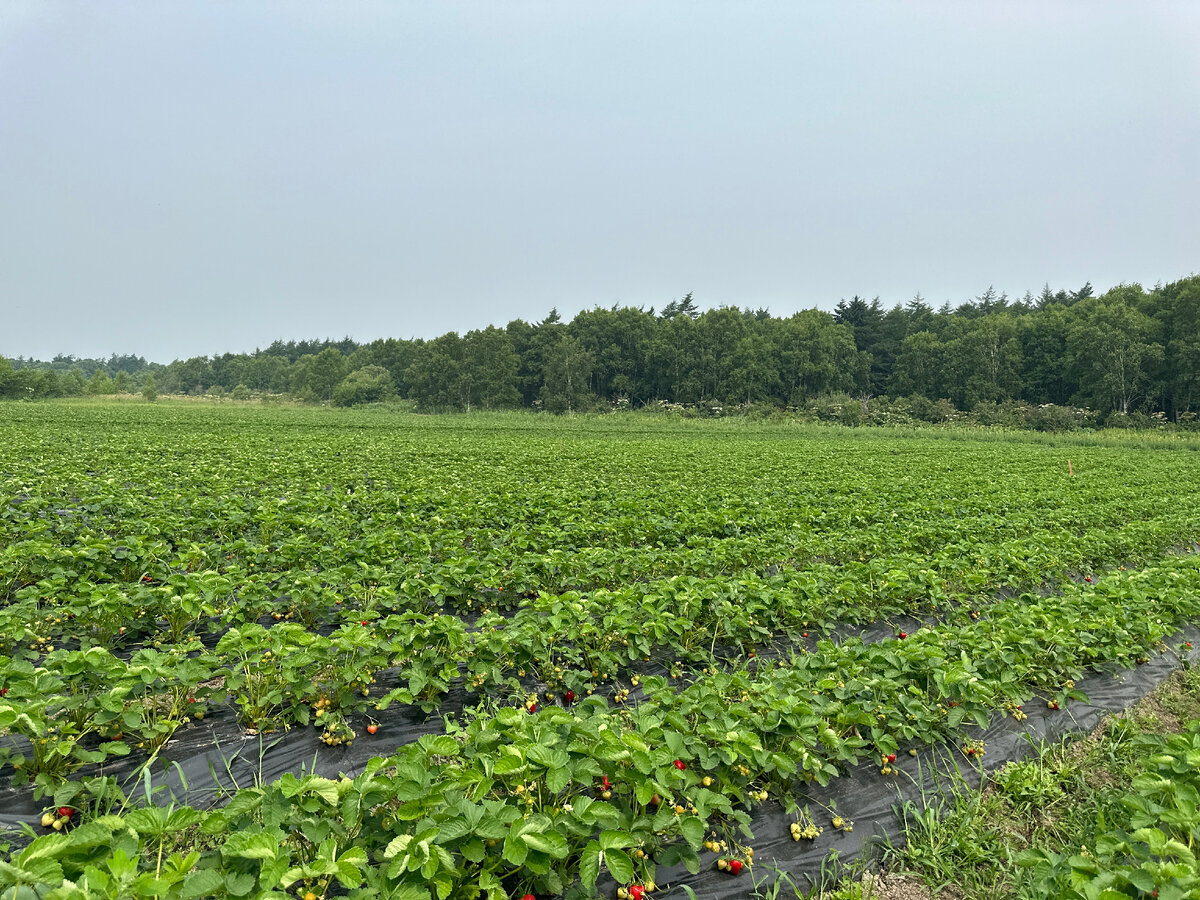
<point>886,411</point>
<point>370,384</point>
<point>1008,414</point>
<point>920,407</point>
<point>1049,417</point>
<point>1136,420</point>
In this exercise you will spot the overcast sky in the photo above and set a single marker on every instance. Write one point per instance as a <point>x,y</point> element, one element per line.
<point>192,178</point>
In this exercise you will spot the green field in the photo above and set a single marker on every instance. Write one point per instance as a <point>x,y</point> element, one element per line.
<point>635,613</point>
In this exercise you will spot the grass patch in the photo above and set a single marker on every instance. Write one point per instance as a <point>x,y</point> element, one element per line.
<point>1066,802</point>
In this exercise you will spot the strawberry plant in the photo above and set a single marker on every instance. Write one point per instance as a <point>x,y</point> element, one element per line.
<point>646,627</point>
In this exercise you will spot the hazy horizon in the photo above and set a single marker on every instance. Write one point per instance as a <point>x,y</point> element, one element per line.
<point>203,178</point>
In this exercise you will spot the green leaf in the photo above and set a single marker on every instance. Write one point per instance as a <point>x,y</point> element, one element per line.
<point>443,884</point>
<point>551,843</point>
<point>473,850</point>
<point>642,761</point>
<point>555,759</point>
<point>589,865</point>
<point>515,849</point>
<point>349,867</point>
<point>603,814</point>
<point>674,854</point>
<point>199,883</point>
<point>149,820</point>
<point>90,834</point>
<point>452,830</point>
<point>692,829</point>
<point>557,779</point>
<point>324,788</point>
<point>252,845</point>
<point>508,764</point>
<point>620,865</point>
<point>1140,879</point>
<point>45,847</point>
<point>239,883</point>
<point>440,745</point>
<point>184,817</point>
<point>397,845</point>
<point>615,840</point>
<point>674,742</point>
<point>492,885</point>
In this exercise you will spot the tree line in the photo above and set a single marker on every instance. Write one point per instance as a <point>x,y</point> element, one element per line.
<point>1128,352</point>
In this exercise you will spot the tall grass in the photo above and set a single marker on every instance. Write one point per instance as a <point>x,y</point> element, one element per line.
<point>638,423</point>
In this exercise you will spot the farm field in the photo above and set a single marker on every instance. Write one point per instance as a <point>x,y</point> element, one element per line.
<point>547,654</point>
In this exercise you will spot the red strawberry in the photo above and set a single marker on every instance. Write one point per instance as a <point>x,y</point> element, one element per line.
<point>569,696</point>
<point>680,765</point>
<point>66,811</point>
<point>637,892</point>
<point>891,757</point>
<point>1088,579</point>
<point>364,621</point>
<point>735,866</point>
<point>903,635</point>
<point>529,897</point>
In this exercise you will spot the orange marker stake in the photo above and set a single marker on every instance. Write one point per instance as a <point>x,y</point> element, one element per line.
<point>1070,471</point>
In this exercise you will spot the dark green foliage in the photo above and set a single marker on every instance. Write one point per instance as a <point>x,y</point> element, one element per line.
<point>370,384</point>
<point>1130,352</point>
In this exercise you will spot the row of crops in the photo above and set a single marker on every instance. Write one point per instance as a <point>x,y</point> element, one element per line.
<point>641,636</point>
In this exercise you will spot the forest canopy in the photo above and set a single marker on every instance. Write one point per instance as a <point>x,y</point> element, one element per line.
<point>1127,352</point>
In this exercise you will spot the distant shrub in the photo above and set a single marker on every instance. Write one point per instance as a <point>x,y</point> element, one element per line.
<point>942,411</point>
<point>1007,414</point>
<point>920,407</point>
<point>1136,420</point>
<point>370,384</point>
<point>1052,418</point>
<point>888,411</point>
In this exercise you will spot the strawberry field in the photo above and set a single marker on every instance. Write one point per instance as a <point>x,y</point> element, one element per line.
<point>528,655</point>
